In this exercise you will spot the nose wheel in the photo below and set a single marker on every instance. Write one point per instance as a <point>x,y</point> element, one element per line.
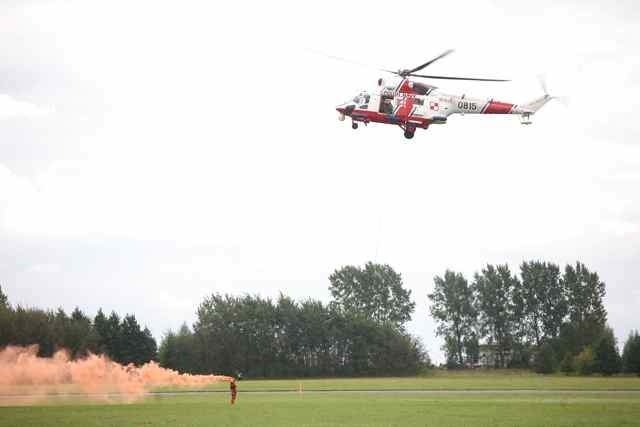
<point>354,125</point>
<point>409,131</point>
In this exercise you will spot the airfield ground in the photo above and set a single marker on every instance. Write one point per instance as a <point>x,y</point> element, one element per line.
<point>476,399</point>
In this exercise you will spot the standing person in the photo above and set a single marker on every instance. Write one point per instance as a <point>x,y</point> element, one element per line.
<point>233,387</point>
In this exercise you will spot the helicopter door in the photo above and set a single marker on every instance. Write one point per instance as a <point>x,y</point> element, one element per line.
<point>386,105</point>
<point>418,106</point>
<point>374,103</point>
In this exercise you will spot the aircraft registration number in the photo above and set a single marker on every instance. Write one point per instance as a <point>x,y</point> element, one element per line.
<point>470,106</point>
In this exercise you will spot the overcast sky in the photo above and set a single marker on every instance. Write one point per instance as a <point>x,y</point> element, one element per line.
<point>152,153</point>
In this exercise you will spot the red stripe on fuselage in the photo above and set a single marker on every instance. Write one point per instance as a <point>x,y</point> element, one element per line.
<point>405,93</point>
<point>406,107</point>
<point>498,108</point>
<point>405,87</point>
<point>373,116</point>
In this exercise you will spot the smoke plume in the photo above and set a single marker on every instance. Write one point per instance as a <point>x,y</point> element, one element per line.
<point>24,374</point>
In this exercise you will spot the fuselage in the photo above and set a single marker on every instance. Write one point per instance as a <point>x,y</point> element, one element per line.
<point>416,105</point>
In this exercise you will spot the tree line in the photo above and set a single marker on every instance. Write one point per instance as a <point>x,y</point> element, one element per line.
<point>360,332</point>
<point>122,339</point>
<point>543,319</point>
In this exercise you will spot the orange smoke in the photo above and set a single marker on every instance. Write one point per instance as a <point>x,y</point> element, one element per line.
<point>23,372</point>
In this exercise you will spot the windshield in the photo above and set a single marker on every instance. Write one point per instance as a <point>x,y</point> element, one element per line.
<point>361,99</point>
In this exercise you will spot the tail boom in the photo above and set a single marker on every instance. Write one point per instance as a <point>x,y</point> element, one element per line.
<point>534,105</point>
<point>476,106</point>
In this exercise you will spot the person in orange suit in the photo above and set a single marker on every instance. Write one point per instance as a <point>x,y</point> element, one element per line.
<point>233,387</point>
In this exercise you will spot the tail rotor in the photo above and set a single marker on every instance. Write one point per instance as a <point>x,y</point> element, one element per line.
<point>543,84</point>
<point>529,109</point>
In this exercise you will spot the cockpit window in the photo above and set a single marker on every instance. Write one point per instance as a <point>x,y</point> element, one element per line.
<point>362,99</point>
<point>421,89</point>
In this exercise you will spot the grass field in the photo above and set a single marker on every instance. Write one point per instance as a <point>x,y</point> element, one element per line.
<point>479,380</point>
<point>441,400</point>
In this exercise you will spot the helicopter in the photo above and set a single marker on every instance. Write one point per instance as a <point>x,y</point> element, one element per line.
<point>414,105</point>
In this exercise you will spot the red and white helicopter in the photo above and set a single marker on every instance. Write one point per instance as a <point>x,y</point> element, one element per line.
<point>412,105</point>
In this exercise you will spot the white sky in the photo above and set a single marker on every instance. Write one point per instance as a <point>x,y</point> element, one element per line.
<point>152,153</point>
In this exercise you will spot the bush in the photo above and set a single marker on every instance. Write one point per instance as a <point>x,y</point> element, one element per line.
<point>545,360</point>
<point>585,362</point>
<point>520,357</point>
<point>567,365</point>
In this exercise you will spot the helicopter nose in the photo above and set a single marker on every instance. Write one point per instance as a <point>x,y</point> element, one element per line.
<point>345,109</point>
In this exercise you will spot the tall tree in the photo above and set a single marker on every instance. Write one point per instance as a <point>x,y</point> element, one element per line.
<point>452,306</point>
<point>101,331</point>
<point>584,292</point>
<point>494,288</point>
<point>316,337</point>
<point>111,335</point>
<point>375,291</point>
<point>631,354</point>
<point>587,316</point>
<point>258,320</point>
<point>543,299</point>
<point>137,346</point>
<point>60,327</point>
<point>179,351</point>
<point>149,347</point>
<point>608,360</point>
<point>221,335</point>
<point>78,334</point>
<point>289,336</point>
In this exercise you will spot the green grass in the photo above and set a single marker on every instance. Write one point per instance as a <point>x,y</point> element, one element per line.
<point>463,380</point>
<point>328,409</point>
<point>540,401</point>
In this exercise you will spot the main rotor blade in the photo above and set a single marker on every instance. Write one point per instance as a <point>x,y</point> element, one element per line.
<point>426,64</point>
<point>346,60</point>
<point>458,78</point>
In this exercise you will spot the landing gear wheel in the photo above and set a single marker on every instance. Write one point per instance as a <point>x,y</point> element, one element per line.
<point>409,134</point>
<point>354,125</point>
